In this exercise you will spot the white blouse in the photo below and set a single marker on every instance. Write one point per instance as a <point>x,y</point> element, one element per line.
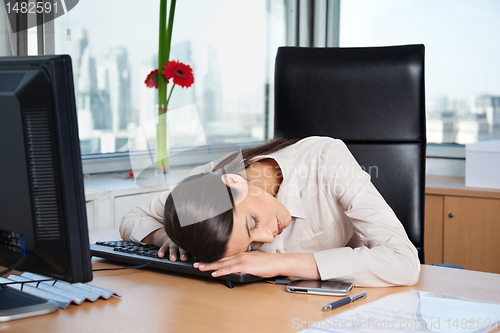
<point>337,214</point>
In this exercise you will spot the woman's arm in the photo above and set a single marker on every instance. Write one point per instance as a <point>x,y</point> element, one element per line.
<point>386,256</point>
<point>301,265</point>
<point>143,224</point>
<point>141,221</point>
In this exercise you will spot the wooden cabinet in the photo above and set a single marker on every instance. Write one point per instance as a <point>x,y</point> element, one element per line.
<point>462,225</point>
<point>433,240</point>
<point>471,233</point>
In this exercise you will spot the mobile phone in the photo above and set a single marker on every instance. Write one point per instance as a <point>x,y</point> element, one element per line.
<point>316,287</point>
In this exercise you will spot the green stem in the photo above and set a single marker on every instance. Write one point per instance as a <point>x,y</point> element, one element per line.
<point>161,143</point>
<point>168,35</point>
<point>165,39</point>
<point>170,95</point>
<point>162,81</point>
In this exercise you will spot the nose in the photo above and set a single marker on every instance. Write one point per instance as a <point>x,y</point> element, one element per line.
<point>265,236</point>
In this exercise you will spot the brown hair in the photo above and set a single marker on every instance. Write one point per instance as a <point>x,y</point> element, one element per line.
<point>207,240</point>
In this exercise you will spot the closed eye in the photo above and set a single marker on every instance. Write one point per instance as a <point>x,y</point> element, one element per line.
<point>256,222</point>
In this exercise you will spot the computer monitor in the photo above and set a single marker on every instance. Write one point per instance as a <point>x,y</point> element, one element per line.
<point>42,198</point>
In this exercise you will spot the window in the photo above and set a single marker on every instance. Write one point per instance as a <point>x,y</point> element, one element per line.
<point>461,39</point>
<point>230,44</point>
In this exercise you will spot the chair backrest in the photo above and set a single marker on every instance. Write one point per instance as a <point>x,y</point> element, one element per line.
<point>373,99</point>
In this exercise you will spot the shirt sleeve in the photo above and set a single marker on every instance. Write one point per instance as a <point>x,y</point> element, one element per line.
<point>386,257</point>
<point>143,220</point>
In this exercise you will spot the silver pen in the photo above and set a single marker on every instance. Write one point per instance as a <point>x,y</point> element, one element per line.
<point>344,301</point>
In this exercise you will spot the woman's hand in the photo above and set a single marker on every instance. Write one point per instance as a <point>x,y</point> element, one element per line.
<point>301,265</point>
<point>160,238</point>
<point>255,263</point>
<point>172,249</point>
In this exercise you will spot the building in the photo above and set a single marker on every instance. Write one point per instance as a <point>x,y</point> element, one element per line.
<point>490,106</point>
<point>113,78</point>
<point>212,88</point>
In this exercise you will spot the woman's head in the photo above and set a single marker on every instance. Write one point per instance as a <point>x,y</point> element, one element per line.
<point>195,197</point>
<point>224,213</point>
<point>257,218</point>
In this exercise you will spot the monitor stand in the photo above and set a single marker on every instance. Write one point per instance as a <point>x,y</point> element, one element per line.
<point>17,304</point>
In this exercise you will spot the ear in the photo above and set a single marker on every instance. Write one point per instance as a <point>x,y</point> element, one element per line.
<point>238,185</point>
<point>233,180</point>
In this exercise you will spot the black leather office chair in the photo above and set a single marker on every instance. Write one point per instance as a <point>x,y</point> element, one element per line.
<point>373,99</point>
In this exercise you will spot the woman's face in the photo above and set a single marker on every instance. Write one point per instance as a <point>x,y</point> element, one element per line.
<point>258,218</point>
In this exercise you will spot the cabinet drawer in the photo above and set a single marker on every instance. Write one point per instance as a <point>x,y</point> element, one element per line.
<point>471,233</point>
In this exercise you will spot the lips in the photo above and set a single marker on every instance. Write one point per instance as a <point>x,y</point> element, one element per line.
<point>280,226</point>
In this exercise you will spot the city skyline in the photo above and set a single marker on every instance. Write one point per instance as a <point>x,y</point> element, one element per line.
<point>454,120</point>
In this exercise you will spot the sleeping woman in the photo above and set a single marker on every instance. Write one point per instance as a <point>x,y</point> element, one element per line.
<point>301,208</point>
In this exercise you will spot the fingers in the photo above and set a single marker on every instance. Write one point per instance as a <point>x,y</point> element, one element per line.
<point>222,267</point>
<point>173,252</point>
<point>255,263</point>
<point>227,271</point>
<point>217,272</point>
<point>183,254</point>
<point>162,250</point>
<point>204,266</point>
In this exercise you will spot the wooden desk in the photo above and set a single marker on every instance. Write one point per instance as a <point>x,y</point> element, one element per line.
<point>154,301</point>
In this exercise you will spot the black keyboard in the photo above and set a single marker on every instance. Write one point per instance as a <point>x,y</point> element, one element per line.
<point>138,254</point>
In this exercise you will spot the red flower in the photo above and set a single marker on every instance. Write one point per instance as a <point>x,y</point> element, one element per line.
<point>180,73</point>
<point>152,79</point>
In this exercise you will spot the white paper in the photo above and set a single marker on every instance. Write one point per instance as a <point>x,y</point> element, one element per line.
<point>415,311</point>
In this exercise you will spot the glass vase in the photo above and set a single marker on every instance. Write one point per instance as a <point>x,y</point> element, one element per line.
<point>161,141</point>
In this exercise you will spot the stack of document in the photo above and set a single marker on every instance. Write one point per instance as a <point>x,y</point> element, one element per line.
<point>415,311</point>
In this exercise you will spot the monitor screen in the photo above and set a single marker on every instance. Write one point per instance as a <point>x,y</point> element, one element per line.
<point>42,198</point>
